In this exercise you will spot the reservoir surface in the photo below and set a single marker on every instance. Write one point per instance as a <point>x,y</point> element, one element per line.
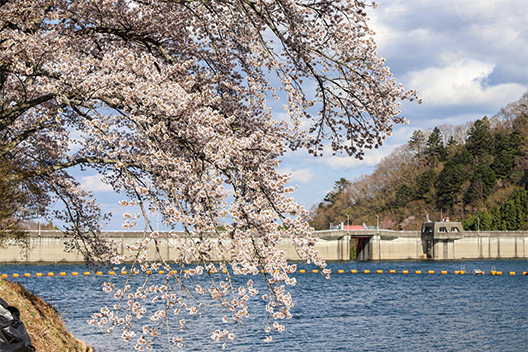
<point>348,312</point>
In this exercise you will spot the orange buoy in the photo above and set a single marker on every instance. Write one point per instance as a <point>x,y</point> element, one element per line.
<point>418,271</point>
<point>405,271</point>
<point>62,273</point>
<point>315,271</point>
<point>379,271</point>
<point>75,273</point>
<point>366,271</point>
<point>353,271</point>
<point>27,274</point>
<point>16,275</point>
<point>302,271</point>
<point>392,271</point>
<point>444,272</point>
<point>340,271</point>
<point>51,274</point>
<point>431,271</point>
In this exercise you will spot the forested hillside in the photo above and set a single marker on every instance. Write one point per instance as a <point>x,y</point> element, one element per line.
<point>476,173</point>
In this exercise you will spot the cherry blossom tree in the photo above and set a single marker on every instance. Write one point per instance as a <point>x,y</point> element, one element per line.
<point>169,99</point>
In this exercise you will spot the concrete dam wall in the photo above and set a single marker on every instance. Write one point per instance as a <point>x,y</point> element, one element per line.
<point>48,246</point>
<point>472,245</point>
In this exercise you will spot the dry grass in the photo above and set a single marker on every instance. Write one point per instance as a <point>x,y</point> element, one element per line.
<point>48,332</point>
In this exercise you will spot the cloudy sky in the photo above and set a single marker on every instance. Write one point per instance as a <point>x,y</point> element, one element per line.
<point>468,58</point>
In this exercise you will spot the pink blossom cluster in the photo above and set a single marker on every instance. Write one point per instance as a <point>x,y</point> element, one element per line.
<point>168,100</point>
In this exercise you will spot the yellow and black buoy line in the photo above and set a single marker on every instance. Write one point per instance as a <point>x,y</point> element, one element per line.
<point>301,271</point>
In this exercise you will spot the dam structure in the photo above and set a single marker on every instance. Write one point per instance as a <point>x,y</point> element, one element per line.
<point>48,246</point>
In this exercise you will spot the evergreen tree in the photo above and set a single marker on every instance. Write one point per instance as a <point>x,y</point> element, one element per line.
<point>404,195</point>
<point>425,182</point>
<point>469,223</point>
<point>480,139</point>
<point>510,216</point>
<point>485,220</point>
<point>452,145</point>
<point>482,184</point>
<point>503,163</point>
<point>435,150</point>
<point>516,143</point>
<point>482,220</point>
<point>452,142</point>
<point>462,157</point>
<point>451,179</point>
<point>507,148</point>
<point>496,219</point>
<point>514,211</point>
<point>339,187</point>
<point>520,197</point>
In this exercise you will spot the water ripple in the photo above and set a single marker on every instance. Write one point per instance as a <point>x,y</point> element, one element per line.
<point>349,312</point>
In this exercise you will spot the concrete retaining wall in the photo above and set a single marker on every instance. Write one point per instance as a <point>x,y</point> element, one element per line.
<point>48,246</point>
<point>493,244</point>
<point>473,245</point>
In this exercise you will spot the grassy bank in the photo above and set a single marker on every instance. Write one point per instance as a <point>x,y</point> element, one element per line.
<point>48,332</point>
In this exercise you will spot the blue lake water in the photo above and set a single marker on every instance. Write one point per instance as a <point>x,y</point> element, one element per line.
<point>349,312</point>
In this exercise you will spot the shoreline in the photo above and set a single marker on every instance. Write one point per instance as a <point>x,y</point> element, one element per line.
<point>45,327</point>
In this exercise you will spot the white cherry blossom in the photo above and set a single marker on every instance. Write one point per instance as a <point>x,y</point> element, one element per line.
<point>170,99</point>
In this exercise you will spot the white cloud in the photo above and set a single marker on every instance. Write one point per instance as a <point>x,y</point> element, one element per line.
<point>301,176</point>
<point>462,83</point>
<point>345,163</point>
<point>457,119</point>
<point>94,183</point>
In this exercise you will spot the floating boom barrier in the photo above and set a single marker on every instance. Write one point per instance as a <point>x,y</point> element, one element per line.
<point>418,272</point>
<point>301,271</point>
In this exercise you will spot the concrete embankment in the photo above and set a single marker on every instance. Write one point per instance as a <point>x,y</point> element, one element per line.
<point>471,245</point>
<point>48,246</point>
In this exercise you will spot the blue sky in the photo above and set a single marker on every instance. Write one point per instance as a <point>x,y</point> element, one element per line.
<point>468,58</point>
